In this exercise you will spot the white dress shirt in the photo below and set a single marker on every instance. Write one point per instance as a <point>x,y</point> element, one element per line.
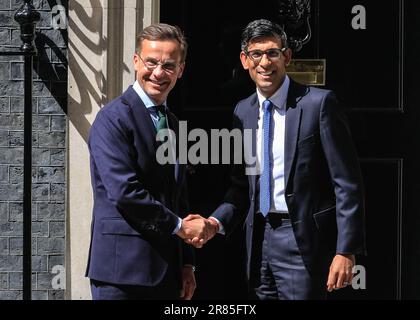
<point>278,99</point>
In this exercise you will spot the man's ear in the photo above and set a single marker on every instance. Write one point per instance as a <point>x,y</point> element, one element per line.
<point>136,61</point>
<point>244,60</point>
<point>287,56</point>
<point>181,69</point>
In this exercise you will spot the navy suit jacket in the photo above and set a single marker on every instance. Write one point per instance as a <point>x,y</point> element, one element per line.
<point>136,200</point>
<point>323,183</point>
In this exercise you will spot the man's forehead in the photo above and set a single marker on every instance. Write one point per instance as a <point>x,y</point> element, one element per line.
<point>264,40</point>
<point>160,43</point>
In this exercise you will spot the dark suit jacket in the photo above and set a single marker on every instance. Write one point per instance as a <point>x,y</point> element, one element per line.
<point>136,200</point>
<point>323,184</point>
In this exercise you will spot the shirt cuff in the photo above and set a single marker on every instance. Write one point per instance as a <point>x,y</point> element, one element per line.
<point>178,226</point>
<point>221,228</point>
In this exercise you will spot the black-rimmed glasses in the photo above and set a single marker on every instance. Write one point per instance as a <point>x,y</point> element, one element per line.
<point>272,54</point>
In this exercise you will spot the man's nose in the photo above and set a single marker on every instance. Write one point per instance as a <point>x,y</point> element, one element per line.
<point>158,71</point>
<point>264,60</point>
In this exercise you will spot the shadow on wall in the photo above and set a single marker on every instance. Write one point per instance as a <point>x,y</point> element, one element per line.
<point>46,70</point>
<point>87,92</point>
<point>90,83</point>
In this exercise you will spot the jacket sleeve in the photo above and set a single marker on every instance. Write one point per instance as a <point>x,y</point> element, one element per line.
<point>345,173</point>
<point>236,201</point>
<point>112,155</point>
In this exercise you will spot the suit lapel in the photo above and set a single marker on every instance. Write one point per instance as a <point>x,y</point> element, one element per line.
<point>293,120</point>
<point>251,122</point>
<point>142,118</point>
<point>147,130</point>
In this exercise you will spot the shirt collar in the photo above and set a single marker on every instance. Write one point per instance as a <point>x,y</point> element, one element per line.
<point>279,97</point>
<point>148,102</point>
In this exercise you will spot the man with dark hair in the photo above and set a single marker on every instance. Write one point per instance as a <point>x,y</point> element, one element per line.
<point>136,249</point>
<point>303,196</point>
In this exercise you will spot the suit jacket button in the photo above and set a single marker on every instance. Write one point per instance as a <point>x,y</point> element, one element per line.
<point>290,195</point>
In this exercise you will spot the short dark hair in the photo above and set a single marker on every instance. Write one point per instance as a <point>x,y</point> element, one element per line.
<point>161,32</point>
<point>262,28</point>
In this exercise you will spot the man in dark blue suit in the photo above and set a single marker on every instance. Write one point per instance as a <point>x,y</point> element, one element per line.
<point>136,249</point>
<point>302,196</point>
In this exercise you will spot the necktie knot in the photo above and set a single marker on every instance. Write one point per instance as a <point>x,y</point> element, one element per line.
<point>267,105</point>
<point>161,113</point>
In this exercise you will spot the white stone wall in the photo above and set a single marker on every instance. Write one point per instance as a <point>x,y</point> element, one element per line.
<point>102,37</point>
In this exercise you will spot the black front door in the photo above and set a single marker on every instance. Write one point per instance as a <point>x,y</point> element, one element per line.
<point>372,58</point>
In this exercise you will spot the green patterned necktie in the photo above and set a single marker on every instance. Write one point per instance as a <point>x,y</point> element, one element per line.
<point>160,125</point>
<point>161,113</point>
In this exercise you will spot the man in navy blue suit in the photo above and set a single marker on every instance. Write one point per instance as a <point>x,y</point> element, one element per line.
<point>136,249</point>
<point>301,201</point>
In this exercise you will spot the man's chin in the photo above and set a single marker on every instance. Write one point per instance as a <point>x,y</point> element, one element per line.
<point>266,86</point>
<point>153,93</point>
<point>266,82</point>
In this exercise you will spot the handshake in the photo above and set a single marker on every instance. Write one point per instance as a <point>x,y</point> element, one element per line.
<point>196,230</point>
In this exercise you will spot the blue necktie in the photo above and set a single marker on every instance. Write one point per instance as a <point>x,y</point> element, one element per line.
<point>265,178</point>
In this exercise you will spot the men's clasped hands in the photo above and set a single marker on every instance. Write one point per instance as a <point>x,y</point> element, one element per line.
<point>197,230</point>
